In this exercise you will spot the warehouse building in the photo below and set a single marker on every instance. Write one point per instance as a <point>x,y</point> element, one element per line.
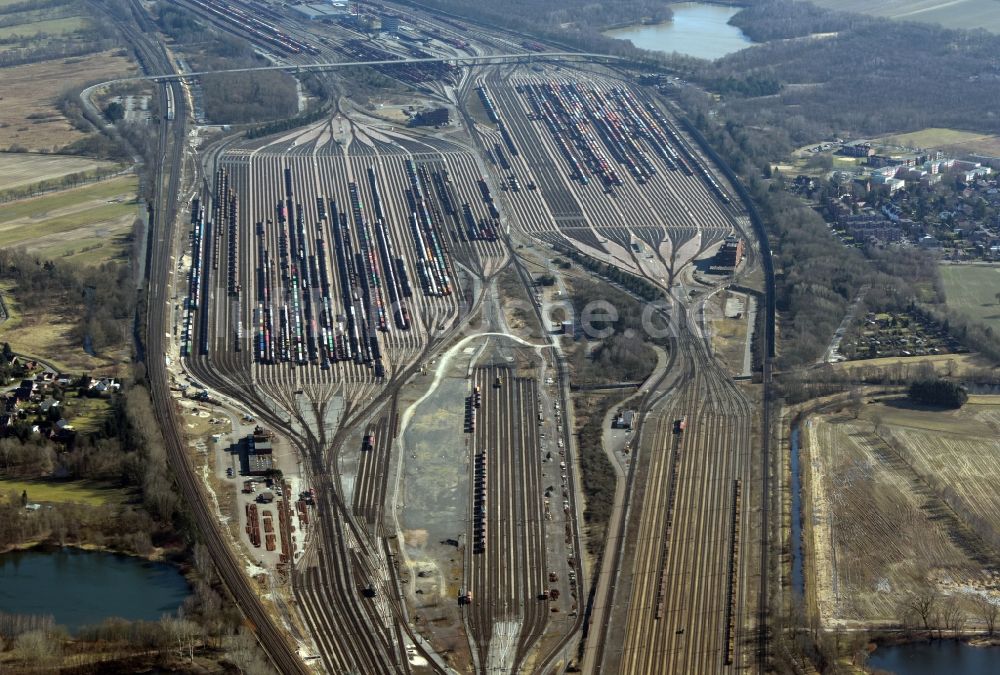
<point>256,454</point>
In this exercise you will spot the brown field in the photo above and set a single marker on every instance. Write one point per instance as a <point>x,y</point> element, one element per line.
<point>900,500</point>
<point>969,14</point>
<point>729,334</point>
<point>22,168</point>
<point>35,89</point>
<point>954,140</point>
<point>943,364</point>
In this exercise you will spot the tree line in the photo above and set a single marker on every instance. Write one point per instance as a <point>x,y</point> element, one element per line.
<point>644,288</point>
<point>71,180</point>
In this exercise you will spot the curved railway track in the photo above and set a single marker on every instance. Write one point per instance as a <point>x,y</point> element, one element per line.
<point>348,552</point>
<point>161,239</point>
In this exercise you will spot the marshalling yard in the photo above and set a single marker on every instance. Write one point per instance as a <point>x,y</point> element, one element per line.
<point>337,287</point>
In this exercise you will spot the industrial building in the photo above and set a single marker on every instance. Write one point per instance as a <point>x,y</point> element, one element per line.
<point>320,12</point>
<point>256,454</point>
<point>730,254</point>
<point>625,420</point>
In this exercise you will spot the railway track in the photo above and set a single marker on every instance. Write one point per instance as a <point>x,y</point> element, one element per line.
<point>347,589</point>
<point>683,580</point>
<point>506,565</point>
<point>166,187</point>
<point>348,561</point>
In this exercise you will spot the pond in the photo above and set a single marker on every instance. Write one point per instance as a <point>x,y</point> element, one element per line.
<point>936,657</point>
<point>85,587</point>
<point>697,29</point>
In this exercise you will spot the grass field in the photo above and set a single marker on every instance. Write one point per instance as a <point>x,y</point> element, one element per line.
<point>88,224</point>
<point>28,114</point>
<point>21,169</point>
<point>949,13</point>
<point>18,169</point>
<point>69,24</point>
<point>936,138</point>
<point>78,492</point>
<point>86,414</point>
<point>972,291</point>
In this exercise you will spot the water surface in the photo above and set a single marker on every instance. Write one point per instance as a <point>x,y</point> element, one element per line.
<point>697,29</point>
<point>936,657</point>
<point>84,587</point>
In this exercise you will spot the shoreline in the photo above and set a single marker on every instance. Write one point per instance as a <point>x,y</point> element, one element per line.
<point>157,555</point>
<point>902,640</point>
<point>640,22</point>
<point>622,25</point>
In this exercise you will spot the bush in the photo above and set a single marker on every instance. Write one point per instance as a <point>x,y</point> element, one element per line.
<point>114,112</point>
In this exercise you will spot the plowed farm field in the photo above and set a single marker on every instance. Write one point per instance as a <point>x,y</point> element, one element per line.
<point>900,501</point>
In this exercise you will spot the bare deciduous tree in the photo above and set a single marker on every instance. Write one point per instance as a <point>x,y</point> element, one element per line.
<point>856,403</point>
<point>879,423</point>
<point>952,616</point>
<point>922,604</point>
<point>987,612</point>
<point>38,648</point>
<point>242,651</point>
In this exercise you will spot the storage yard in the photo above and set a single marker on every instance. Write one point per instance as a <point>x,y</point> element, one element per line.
<point>521,572</point>
<point>333,279</point>
<point>340,265</point>
<point>329,261</point>
<point>592,157</point>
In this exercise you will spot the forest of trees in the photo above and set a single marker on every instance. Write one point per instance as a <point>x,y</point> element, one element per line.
<point>623,355</point>
<point>939,392</point>
<point>235,98</point>
<point>816,277</point>
<point>868,76</point>
<point>532,15</point>
<point>239,98</point>
<point>575,22</point>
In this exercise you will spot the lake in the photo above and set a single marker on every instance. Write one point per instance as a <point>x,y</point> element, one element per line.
<point>85,587</point>
<point>936,657</point>
<point>698,29</point>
